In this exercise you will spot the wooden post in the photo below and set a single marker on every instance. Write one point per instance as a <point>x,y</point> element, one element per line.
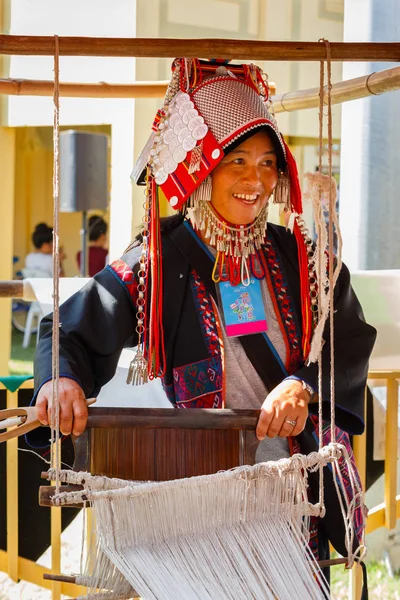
<point>55,536</point>
<point>7,167</point>
<point>391,453</point>
<point>12,497</point>
<point>360,456</point>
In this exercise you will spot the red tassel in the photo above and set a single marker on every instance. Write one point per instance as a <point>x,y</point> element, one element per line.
<point>155,333</point>
<point>296,204</point>
<point>306,314</point>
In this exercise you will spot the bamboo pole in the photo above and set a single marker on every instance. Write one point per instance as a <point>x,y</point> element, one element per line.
<point>360,87</point>
<point>352,89</point>
<point>192,48</point>
<point>139,89</point>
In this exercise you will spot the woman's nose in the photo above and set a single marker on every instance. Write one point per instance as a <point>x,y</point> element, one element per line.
<point>252,175</point>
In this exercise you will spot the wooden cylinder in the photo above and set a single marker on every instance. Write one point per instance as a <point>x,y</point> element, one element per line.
<point>26,87</point>
<point>11,289</point>
<point>360,87</point>
<point>206,48</point>
<point>167,418</point>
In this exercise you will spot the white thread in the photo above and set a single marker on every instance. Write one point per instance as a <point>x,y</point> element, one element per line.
<point>12,422</point>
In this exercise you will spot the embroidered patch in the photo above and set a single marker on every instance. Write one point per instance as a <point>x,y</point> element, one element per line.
<point>196,380</point>
<point>285,305</point>
<point>126,275</point>
<point>208,401</point>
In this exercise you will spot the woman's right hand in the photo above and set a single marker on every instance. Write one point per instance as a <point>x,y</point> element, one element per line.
<point>72,403</point>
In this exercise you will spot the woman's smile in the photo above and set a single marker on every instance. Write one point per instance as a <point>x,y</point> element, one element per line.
<point>246,198</point>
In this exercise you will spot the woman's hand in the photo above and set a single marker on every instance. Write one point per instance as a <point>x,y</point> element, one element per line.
<point>284,411</point>
<point>73,406</point>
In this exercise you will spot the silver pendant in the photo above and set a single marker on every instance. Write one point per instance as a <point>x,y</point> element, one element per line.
<point>138,372</point>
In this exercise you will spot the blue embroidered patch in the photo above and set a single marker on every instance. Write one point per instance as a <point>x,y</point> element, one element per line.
<point>197,379</point>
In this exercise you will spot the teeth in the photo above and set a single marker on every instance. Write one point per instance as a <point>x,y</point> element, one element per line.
<point>246,196</point>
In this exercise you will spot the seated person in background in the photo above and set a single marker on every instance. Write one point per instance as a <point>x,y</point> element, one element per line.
<point>40,262</point>
<point>97,240</point>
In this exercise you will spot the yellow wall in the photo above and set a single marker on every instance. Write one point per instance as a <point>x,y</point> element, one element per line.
<point>34,194</point>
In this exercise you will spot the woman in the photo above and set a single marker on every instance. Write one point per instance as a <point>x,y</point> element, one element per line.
<point>238,297</point>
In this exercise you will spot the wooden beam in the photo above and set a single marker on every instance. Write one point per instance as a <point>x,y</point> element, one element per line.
<point>205,48</point>
<point>195,418</point>
<point>27,87</point>
<point>11,289</point>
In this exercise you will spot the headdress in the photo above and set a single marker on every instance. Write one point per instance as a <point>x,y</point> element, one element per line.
<point>209,108</point>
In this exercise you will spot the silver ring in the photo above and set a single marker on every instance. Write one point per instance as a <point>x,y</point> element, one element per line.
<point>292,423</point>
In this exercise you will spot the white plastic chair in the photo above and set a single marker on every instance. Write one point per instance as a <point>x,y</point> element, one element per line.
<point>33,319</point>
<point>35,312</point>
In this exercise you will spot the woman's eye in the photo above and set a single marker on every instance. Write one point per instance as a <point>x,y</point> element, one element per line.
<point>269,162</point>
<point>238,161</point>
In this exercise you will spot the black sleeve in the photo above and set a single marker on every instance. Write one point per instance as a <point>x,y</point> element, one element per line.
<point>95,324</point>
<point>353,342</point>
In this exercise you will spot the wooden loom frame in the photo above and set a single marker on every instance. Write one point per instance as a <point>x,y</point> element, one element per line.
<point>235,49</point>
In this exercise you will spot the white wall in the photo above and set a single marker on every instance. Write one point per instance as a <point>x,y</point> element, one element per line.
<point>82,18</point>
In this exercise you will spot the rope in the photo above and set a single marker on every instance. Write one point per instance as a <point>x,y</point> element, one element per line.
<point>320,264</point>
<point>55,413</point>
<point>332,210</point>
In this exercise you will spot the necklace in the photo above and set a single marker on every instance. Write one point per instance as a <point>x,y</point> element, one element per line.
<point>238,246</point>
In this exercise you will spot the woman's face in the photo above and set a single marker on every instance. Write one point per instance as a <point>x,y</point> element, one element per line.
<point>245,179</point>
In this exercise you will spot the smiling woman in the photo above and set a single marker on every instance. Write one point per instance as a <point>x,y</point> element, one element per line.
<point>228,318</point>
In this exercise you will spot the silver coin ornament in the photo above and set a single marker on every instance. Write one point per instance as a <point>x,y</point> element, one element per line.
<point>195,122</point>
<point>168,136</point>
<point>160,176</point>
<point>175,118</point>
<point>173,144</point>
<point>200,132</point>
<point>177,135</point>
<point>190,114</point>
<point>184,133</point>
<point>179,154</point>
<point>189,143</point>
<point>170,165</point>
<point>178,126</point>
<point>164,155</point>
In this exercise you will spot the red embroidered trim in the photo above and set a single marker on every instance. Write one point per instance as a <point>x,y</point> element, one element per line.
<point>126,275</point>
<point>286,309</point>
<point>206,315</point>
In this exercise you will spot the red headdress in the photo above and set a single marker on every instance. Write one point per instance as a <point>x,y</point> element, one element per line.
<point>209,108</point>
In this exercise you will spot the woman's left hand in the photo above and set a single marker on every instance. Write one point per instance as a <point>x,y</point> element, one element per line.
<point>284,411</point>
